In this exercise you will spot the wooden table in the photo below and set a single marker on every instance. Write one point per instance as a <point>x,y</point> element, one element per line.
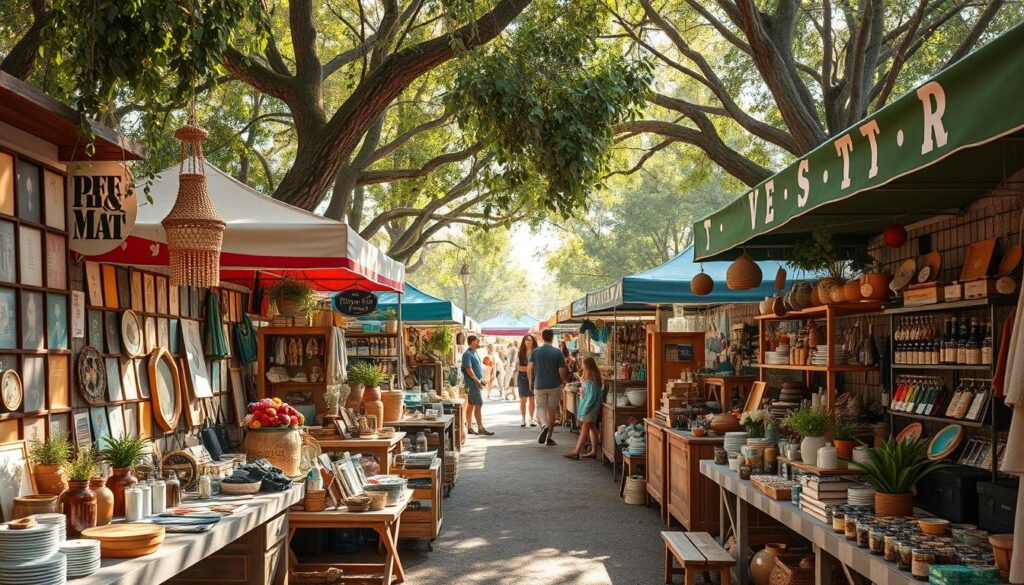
<point>459,408</point>
<point>737,496</point>
<point>385,523</point>
<point>725,385</point>
<point>444,425</point>
<point>381,448</point>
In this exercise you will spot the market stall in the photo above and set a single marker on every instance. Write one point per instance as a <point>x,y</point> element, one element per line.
<point>506,325</point>
<point>904,336</point>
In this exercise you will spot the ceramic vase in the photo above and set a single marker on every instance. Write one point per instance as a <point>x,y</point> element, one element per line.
<point>725,423</point>
<point>371,393</point>
<point>828,457</point>
<point>104,500</point>
<point>762,563</point>
<point>120,479</point>
<point>809,449</point>
<point>79,506</point>
<point>49,479</point>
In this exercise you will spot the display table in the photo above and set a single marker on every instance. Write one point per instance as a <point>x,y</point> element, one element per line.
<point>422,523</point>
<point>444,426</point>
<point>738,496</point>
<point>611,418</point>
<point>385,523</point>
<point>459,412</point>
<point>690,498</point>
<point>231,545</point>
<point>381,448</point>
<point>724,386</point>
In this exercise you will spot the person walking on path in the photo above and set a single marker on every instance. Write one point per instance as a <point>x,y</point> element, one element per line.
<point>497,371</point>
<point>589,404</point>
<point>511,372</point>
<point>547,378</point>
<point>473,374</point>
<point>526,346</point>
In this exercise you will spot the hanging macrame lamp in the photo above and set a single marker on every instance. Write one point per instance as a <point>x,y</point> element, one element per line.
<point>195,232</point>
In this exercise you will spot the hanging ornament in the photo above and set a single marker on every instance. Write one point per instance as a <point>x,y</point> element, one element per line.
<point>894,235</point>
<point>195,232</point>
<point>743,273</point>
<point>702,284</point>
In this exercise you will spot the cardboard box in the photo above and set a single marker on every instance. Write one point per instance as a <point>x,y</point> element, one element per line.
<point>928,294</point>
<point>953,292</point>
<point>979,289</point>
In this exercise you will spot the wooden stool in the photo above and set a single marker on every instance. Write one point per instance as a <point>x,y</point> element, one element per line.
<point>630,465</point>
<point>695,551</point>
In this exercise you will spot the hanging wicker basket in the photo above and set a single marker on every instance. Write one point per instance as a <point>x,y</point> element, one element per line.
<point>702,284</point>
<point>743,274</point>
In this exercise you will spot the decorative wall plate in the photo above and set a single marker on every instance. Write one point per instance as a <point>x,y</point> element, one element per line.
<point>904,274</point>
<point>131,334</point>
<point>933,260</point>
<point>92,376</point>
<point>165,386</point>
<point>1010,260</point>
<point>979,257</point>
<point>11,391</point>
<point>911,432</point>
<point>945,442</point>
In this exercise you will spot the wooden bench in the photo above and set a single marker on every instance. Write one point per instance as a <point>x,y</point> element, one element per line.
<point>695,551</point>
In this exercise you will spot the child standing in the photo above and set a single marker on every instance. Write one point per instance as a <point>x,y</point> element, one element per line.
<point>589,405</point>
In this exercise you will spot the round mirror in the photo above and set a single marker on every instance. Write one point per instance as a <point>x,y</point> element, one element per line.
<point>165,387</point>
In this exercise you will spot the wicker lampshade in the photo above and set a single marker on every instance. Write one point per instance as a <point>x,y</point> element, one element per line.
<point>702,284</point>
<point>195,233</point>
<point>743,274</point>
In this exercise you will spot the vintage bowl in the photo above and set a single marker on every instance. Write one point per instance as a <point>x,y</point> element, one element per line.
<point>933,526</point>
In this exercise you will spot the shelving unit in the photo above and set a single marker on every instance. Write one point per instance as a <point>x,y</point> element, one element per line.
<point>423,523</point>
<point>828,314</point>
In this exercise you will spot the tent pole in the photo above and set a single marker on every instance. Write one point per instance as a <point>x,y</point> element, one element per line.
<point>400,349</point>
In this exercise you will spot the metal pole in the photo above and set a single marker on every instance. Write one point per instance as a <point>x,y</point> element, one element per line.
<point>400,349</point>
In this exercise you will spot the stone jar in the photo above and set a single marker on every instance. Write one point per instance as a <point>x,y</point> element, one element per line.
<point>104,500</point>
<point>762,563</point>
<point>78,503</point>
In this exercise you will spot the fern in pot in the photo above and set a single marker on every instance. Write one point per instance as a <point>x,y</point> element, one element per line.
<point>293,295</point>
<point>894,469</point>
<point>369,376</point>
<point>811,424</point>
<point>122,455</point>
<point>48,457</point>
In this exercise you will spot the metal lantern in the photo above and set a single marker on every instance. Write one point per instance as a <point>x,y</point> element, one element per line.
<point>195,232</point>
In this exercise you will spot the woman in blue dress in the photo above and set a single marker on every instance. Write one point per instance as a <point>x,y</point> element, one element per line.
<point>587,410</point>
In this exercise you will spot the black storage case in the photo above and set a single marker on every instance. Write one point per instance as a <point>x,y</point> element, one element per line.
<point>949,493</point>
<point>997,503</point>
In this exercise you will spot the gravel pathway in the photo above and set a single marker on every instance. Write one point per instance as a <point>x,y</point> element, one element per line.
<point>522,514</point>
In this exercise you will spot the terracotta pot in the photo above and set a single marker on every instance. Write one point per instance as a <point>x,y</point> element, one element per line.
<point>815,297</point>
<point>49,479</point>
<point>282,447</point>
<point>894,504</point>
<point>762,563</point>
<point>120,478</point>
<point>79,506</point>
<point>390,326</point>
<point>698,431</point>
<point>838,292</point>
<point>725,423</point>
<point>371,393</point>
<point>104,500</point>
<point>35,504</point>
<point>875,286</point>
<point>375,408</point>
<point>844,447</point>
<point>824,287</point>
<point>392,405</point>
<point>355,397</point>
<point>852,291</point>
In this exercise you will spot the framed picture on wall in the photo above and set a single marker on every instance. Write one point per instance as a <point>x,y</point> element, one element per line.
<point>192,338</point>
<point>7,254</point>
<point>32,317</point>
<point>94,284</point>
<point>33,378</point>
<point>30,252</point>
<point>8,319</point>
<point>183,301</point>
<point>77,314</point>
<point>6,184</point>
<point>96,329</point>
<point>124,288</point>
<point>113,367</point>
<point>193,302</point>
<point>100,425</point>
<point>238,397</point>
<point>163,333</point>
<point>110,286</point>
<point>56,321</point>
<point>30,204</point>
<point>56,261</point>
<point>145,419</point>
<point>151,340</point>
<point>112,332</point>
<point>174,336</point>
<point>57,380</point>
<point>60,425</point>
<point>137,304</point>
<point>215,376</point>
<point>33,428</point>
<point>83,431</point>
<point>161,295</point>
<point>142,377</point>
<point>131,419</point>
<point>115,419</point>
<point>16,477</point>
<point>53,192</point>
<point>172,300</point>
<point>191,405</point>
<point>149,292</point>
<point>129,381</point>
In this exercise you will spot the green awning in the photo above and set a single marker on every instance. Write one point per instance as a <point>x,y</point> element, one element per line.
<point>934,150</point>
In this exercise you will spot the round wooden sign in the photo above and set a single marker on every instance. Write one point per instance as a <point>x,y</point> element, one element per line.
<point>165,387</point>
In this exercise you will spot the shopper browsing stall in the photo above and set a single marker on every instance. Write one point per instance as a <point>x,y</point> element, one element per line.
<point>473,373</point>
<point>547,373</point>
<point>588,409</point>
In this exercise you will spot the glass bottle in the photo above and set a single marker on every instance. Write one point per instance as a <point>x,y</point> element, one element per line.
<point>986,345</point>
<point>948,356</point>
<point>205,484</point>
<point>421,442</point>
<point>961,344</point>
<point>974,344</point>
<point>173,490</point>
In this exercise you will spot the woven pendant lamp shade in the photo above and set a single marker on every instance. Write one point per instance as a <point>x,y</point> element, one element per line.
<point>743,274</point>
<point>195,233</point>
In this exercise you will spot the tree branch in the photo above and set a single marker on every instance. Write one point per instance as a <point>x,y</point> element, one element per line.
<point>976,31</point>
<point>643,159</point>
<point>247,70</point>
<point>384,176</point>
<point>901,54</point>
<point>20,61</point>
<point>408,135</point>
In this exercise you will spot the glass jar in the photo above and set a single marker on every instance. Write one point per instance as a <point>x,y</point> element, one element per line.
<point>906,556</point>
<point>876,540</point>
<point>838,522</point>
<point>922,559</point>
<point>891,547</point>
<point>173,490</point>
<point>850,528</point>
<point>421,442</point>
<point>863,529</point>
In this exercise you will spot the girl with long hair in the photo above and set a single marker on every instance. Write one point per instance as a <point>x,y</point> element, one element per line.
<point>589,405</point>
<point>526,346</point>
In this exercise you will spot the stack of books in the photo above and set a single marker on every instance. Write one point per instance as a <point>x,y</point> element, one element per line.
<point>419,460</point>
<point>817,492</point>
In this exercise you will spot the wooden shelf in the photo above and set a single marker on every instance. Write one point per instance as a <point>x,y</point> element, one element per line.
<point>294,384</point>
<point>966,423</point>
<point>819,471</point>
<point>821,311</point>
<point>940,367</point>
<point>952,306</point>
<point>364,334</point>
<point>843,368</point>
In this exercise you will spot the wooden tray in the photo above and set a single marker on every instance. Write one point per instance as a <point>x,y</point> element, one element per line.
<point>772,492</point>
<point>819,471</point>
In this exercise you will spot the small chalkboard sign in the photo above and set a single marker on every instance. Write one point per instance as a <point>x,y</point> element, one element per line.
<point>355,302</point>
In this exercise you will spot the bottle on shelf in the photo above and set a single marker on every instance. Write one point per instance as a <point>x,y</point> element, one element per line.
<point>986,345</point>
<point>961,343</point>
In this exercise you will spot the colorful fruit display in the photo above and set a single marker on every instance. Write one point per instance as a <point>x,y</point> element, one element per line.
<point>271,413</point>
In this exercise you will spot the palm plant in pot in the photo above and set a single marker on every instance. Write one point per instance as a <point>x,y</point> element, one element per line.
<point>122,454</point>
<point>48,457</point>
<point>78,502</point>
<point>292,295</point>
<point>811,424</point>
<point>894,469</point>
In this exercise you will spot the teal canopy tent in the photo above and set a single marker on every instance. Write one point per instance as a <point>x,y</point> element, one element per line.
<point>505,325</point>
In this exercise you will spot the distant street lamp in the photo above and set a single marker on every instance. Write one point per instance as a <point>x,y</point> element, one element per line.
<point>464,275</point>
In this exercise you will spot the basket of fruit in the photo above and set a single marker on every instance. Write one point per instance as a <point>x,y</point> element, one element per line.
<point>274,433</point>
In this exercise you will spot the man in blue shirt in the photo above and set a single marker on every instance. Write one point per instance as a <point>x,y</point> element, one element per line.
<point>546,372</point>
<point>473,373</point>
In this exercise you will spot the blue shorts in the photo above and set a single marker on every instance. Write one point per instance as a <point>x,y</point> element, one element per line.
<point>475,397</point>
<point>524,385</point>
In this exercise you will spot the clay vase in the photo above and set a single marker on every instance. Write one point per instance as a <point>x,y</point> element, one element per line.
<point>838,292</point>
<point>852,291</point>
<point>79,506</point>
<point>371,393</point>
<point>809,449</point>
<point>815,297</point>
<point>813,334</point>
<point>120,478</point>
<point>725,423</point>
<point>355,397</point>
<point>375,408</point>
<point>762,563</point>
<point>104,500</point>
<point>49,479</point>
<point>393,406</point>
<point>845,447</point>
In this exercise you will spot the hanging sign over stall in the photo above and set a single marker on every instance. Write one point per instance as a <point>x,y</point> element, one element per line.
<point>102,206</point>
<point>355,302</point>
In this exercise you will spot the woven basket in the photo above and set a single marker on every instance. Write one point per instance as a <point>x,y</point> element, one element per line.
<point>378,500</point>
<point>894,504</point>
<point>451,467</point>
<point>701,284</point>
<point>743,274</point>
<point>316,501</point>
<point>787,571</point>
<point>636,490</point>
<point>358,504</point>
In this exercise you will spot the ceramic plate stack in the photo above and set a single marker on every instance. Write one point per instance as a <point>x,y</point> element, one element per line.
<point>83,557</point>
<point>38,541</point>
<point>636,450</point>
<point>60,520</point>
<point>839,356</point>
<point>50,570</point>
<point>760,443</point>
<point>778,357</point>
<point>735,440</point>
<point>791,392</point>
<point>860,495</point>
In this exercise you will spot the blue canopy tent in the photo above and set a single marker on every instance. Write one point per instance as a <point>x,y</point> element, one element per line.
<point>420,308</point>
<point>669,284</point>
<point>505,325</point>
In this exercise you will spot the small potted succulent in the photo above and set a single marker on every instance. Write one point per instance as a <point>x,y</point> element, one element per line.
<point>811,424</point>
<point>369,376</point>
<point>292,294</point>
<point>894,469</point>
<point>78,502</point>
<point>390,318</point>
<point>755,422</point>
<point>48,457</point>
<point>844,437</point>
<point>122,455</point>
<point>699,426</point>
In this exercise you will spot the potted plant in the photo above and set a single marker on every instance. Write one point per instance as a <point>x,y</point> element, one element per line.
<point>122,454</point>
<point>824,257</point>
<point>292,294</point>
<point>369,376</point>
<point>755,421</point>
<point>811,424</point>
<point>48,457</point>
<point>439,341</point>
<point>390,318</point>
<point>844,437</point>
<point>894,469</point>
<point>78,502</point>
<point>699,427</point>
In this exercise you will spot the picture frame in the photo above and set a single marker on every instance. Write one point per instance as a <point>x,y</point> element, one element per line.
<point>173,306</point>
<point>192,338</point>
<point>215,376</point>
<point>94,284</point>
<point>33,377</point>
<point>341,428</point>
<point>32,320</point>
<point>57,380</point>
<point>30,255</point>
<point>16,477</point>
<point>150,337</point>
<point>142,377</point>
<point>191,404</point>
<point>347,416</point>
<point>112,332</point>
<point>149,292</point>
<point>124,288</point>
<point>115,420</point>
<point>100,426</point>
<point>110,299</point>
<point>238,397</point>
<point>350,482</point>
<point>33,428</point>
<point>30,203</point>
<point>54,201</point>
<point>12,392</point>
<point>357,465</point>
<point>193,302</point>
<point>163,334</point>
<point>8,320</point>
<point>96,332</point>
<point>145,419</point>
<point>56,261</point>
<point>6,184</point>
<point>168,394</point>
<point>83,430</point>
<point>131,334</point>
<point>77,314</point>
<point>92,376</point>
<point>56,321</point>
<point>129,379</point>
<point>331,482</point>
<point>113,369</point>
<point>183,298</point>
<point>161,295</point>
<point>8,271</point>
<point>131,419</point>
<point>136,300</point>
<point>60,425</point>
